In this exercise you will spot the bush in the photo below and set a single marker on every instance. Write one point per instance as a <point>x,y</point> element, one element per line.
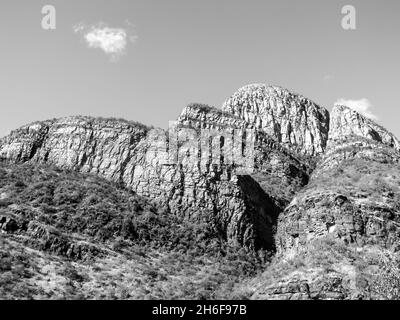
<point>386,282</point>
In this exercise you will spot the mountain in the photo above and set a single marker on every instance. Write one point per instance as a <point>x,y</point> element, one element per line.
<point>271,172</point>
<point>295,121</point>
<point>343,227</point>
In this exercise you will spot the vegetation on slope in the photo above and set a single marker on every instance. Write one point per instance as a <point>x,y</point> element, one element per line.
<point>330,269</point>
<point>66,235</point>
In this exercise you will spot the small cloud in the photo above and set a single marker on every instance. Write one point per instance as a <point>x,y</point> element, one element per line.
<point>362,106</point>
<point>328,77</point>
<point>113,41</point>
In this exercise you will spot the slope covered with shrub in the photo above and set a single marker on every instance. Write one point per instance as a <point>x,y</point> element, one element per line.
<point>328,269</point>
<point>70,235</point>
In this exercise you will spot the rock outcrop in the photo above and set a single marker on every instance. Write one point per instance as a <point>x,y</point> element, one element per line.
<point>279,172</point>
<point>353,192</point>
<point>100,146</point>
<point>293,120</point>
<point>348,122</point>
<point>329,237</point>
<point>136,157</point>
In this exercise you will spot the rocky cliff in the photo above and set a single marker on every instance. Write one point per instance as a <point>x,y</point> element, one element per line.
<point>346,122</point>
<point>137,157</point>
<point>295,121</point>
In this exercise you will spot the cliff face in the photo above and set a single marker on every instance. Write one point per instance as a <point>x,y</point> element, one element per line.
<point>98,146</point>
<point>280,172</point>
<point>137,157</point>
<point>295,121</point>
<point>347,122</point>
<point>276,174</point>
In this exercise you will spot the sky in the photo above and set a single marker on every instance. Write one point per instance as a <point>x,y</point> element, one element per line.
<point>145,60</point>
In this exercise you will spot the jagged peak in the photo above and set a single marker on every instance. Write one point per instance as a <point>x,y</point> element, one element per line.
<point>346,122</point>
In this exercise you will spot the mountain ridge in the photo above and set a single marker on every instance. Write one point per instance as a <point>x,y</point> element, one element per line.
<point>306,184</point>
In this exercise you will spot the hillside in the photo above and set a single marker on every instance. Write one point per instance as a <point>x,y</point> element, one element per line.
<point>70,235</point>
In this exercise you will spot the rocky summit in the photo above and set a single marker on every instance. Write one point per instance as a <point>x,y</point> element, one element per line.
<point>308,200</point>
<point>293,120</point>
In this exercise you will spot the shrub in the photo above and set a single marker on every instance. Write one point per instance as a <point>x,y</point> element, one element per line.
<point>386,282</point>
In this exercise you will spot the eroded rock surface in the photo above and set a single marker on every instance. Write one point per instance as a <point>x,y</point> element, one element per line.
<point>293,120</point>
<point>137,157</point>
<point>347,122</point>
<point>353,193</point>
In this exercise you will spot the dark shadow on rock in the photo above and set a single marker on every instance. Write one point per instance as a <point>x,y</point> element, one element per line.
<point>263,214</point>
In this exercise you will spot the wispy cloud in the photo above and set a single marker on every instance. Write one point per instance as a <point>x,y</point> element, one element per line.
<point>112,41</point>
<point>362,106</point>
<point>328,77</point>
